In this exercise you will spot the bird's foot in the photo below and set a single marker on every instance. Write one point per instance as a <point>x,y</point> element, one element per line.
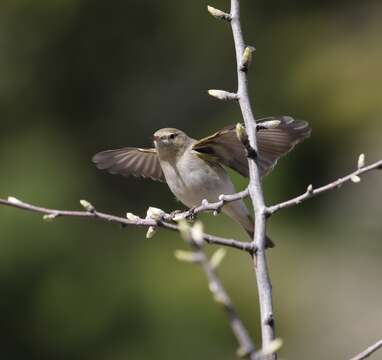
<point>191,213</point>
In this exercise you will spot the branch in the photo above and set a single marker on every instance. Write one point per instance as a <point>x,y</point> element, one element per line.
<point>310,192</point>
<point>155,220</point>
<point>193,238</point>
<point>91,212</point>
<point>208,206</point>
<point>366,353</point>
<point>243,57</point>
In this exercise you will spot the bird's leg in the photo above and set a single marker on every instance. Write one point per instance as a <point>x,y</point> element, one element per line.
<point>192,215</point>
<point>189,214</point>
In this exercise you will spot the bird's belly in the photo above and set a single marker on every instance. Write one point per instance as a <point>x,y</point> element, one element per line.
<point>192,184</point>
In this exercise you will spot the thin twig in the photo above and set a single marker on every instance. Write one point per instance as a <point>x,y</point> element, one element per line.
<point>220,295</point>
<point>310,192</point>
<point>366,353</point>
<point>54,213</point>
<point>213,206</point>
<point>255,189</point>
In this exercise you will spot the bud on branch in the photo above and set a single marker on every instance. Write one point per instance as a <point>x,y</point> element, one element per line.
<point>223,95</point>
<point>247,58</point>
<point>218,14</point>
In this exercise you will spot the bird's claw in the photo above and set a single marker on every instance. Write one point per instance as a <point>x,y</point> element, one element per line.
<point>192,213</point>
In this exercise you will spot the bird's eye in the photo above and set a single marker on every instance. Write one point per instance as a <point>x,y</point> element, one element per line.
<point>172,136</point>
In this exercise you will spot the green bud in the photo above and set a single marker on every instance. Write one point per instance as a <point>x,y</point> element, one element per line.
<point>186,256</point>
<point>241,133</point>
<point>184,229</point>
<point>132,217</point>
<point>13,200</point>
<point>247,57</point>
<point>154,213</point>
<point>151,232</point>
<point>274,346</point>
<point>355,178</point>
<point>218,14</point>
<point>217,257</point>
<point>361,161</point>
<point>197,233</point>
<point>49,217</point>
<point>222,94</point>
<point>87,205</point>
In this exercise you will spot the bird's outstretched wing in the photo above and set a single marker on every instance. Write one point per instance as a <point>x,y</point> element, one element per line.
<point>272,144</point>
<point>130,161</point>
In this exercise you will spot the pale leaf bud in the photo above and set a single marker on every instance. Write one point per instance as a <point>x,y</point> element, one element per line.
<point>355,178</point>
<point>186,256</point>
<point>49,217</point>
<point>154,213</point>
<point>241,133</point>
<point>218,14</point>
<point>184,229</point>
<point>13,200</point>
<point>197,233</point>
<point>132,217</point>
<point>222,94</point>
<point>361,161</point>
<point>247,58</point>
<point>274,346</point>
<point>151,232</point>
<point>87,205</point>
<point>217,257</point>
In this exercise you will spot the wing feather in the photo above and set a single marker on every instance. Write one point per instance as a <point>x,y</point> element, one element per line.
<point>130,161</point>
<point>272,144</point>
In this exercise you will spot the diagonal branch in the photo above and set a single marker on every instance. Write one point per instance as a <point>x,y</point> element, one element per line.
<point>370,350</point>
<point>51,214</point>
<point>212,206</point>
<point>220,295</point>
<point>310,192</point>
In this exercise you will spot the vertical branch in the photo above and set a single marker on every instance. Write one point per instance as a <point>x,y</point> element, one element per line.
<point>255,189</point>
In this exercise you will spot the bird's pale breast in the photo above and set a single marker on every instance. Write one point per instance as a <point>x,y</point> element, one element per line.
<point>193,179</point>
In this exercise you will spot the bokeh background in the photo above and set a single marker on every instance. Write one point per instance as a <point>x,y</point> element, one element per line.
<point>80,76</point>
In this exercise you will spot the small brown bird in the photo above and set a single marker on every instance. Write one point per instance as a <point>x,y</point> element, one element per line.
<point>193,169</point>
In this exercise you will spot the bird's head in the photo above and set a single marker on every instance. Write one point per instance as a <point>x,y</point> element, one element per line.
<point>170,142</point>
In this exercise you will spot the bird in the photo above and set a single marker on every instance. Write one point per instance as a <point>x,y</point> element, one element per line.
<point>194,170</point>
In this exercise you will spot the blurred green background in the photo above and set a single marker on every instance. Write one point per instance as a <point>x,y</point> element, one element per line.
<point>80,76</point>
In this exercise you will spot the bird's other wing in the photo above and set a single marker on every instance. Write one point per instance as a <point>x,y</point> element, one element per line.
<point>225,147</point>
<point>272,144</point>
<point>277,142</point>
<point>130,161</point>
